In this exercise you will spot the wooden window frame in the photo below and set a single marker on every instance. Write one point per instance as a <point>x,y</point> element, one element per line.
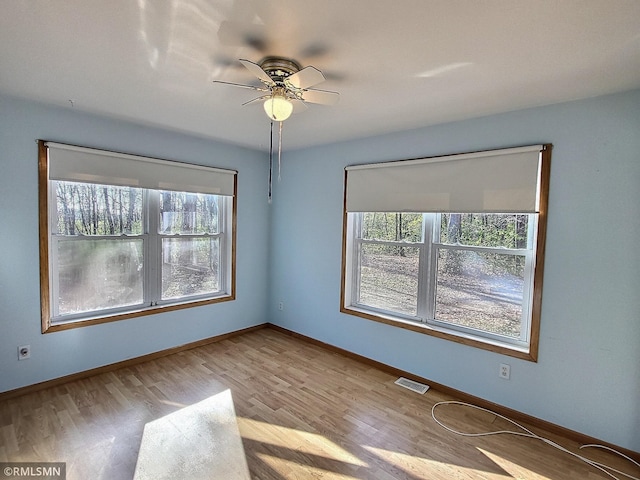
<point>47,326</point>
<point>530,354</point>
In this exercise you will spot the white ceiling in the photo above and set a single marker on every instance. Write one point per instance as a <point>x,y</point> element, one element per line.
<point>397,64</point>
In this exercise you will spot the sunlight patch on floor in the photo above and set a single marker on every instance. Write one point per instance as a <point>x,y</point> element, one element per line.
<point>516,471</point>
<point>415,465</point>
<point>200,441</point>
<point>290,469</point>
<point>297,440</point>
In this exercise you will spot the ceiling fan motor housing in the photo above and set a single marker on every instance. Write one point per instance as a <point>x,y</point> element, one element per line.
<point>279,68</point>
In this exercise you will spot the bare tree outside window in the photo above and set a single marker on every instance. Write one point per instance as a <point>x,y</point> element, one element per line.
<point>100,243</point>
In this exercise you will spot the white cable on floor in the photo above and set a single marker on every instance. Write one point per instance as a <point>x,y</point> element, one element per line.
<point>612,451</point>
<point>529,434</point>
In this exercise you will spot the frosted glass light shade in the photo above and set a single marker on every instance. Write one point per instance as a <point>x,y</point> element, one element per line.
<point>278,108</point>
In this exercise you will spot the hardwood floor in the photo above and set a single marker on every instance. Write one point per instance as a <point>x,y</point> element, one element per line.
<point>303,412</point>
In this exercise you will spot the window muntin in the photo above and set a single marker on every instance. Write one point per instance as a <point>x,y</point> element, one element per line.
<point>97,249</point>
<point>191,244</point>
<point>106,250</point>
<point>466,274</point>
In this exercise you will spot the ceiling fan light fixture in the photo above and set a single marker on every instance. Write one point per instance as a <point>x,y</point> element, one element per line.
<point>278,108</point>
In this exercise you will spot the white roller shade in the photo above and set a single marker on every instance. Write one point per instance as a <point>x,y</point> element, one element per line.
<point>498,181</point>
<point>87,165</point>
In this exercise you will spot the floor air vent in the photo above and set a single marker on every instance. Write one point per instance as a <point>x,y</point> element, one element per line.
<point>411,385</point>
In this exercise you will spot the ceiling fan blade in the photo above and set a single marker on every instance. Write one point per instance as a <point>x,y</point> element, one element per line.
<point>258,72</point>
<point>323,97</point>
<point>317,49</point>
<point>240,34</point>
<point>251,87</point>
<point>298,106</point>
<point>305,78</point>
<point>256,100</point>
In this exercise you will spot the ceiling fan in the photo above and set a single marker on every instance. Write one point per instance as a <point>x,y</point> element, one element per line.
<point>287,86</point>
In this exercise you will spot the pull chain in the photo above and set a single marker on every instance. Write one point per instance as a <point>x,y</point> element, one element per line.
<point>279,151</point>
<point>271,163</point>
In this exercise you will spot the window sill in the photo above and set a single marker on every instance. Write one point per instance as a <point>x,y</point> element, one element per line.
<point>50,327</point>
<point>458,337</point>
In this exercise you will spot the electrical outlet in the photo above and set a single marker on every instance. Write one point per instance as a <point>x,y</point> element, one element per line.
<point>281,306</point>
<point>504,371</point>
<point>24,352</point>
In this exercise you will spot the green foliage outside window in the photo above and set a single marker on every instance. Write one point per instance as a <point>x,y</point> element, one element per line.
<point>484,229</point>
<point>509,231</point>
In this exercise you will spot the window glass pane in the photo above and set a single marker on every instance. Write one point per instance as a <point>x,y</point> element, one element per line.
<point>89,209</point>
<point>484,229</point>
<point>392,226</point>
<point>480,290</point>
<point>190,266</point>
<point>99,274</point>
<point>389,277</point>
<point>183,213</point>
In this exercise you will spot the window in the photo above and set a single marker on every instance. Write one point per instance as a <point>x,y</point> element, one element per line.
<point>456,255</point>
<point>123,236</point>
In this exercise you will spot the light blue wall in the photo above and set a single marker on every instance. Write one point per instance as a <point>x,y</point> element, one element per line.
<point>588,374</point>
<point>62,353</point>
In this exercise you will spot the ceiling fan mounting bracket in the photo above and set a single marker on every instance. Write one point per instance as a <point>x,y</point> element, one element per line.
<point>279,68</point>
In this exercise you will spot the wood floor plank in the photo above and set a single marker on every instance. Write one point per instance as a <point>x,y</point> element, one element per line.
<point>303,412</point>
